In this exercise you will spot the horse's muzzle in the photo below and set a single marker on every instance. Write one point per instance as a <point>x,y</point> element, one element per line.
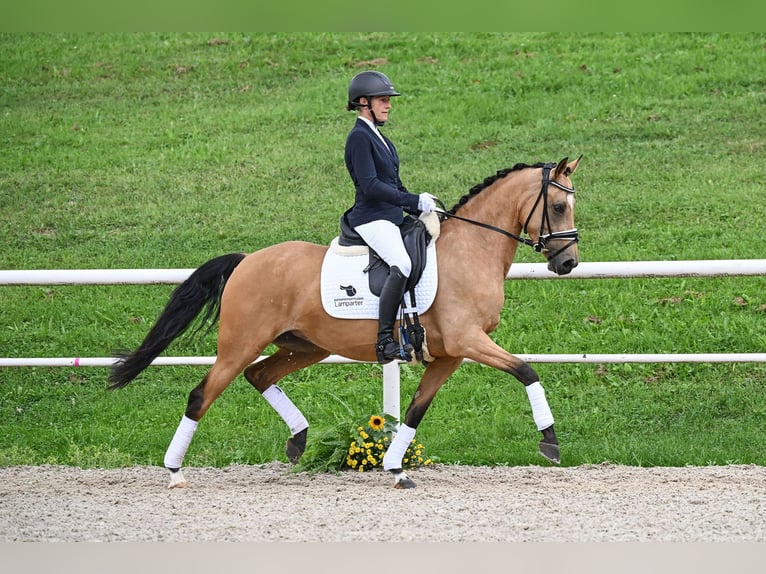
<point>565,255</point>
<point>562,267</point>
<point>564,260</point>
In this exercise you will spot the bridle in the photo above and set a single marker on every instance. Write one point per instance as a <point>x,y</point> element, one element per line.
<point>543,238</point>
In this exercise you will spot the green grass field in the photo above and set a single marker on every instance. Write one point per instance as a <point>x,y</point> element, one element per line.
<point>165,150</point>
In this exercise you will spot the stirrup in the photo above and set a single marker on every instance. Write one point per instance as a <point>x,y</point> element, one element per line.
<point>387,350</point>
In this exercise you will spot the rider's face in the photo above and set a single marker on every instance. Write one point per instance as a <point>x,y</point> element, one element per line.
<point>380,107</point>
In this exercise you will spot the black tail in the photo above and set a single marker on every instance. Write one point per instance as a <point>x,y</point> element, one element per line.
<point>202,290</point>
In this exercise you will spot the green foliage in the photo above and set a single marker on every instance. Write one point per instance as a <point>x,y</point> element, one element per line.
<point>164,150</point>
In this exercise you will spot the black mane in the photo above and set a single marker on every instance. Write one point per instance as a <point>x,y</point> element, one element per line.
<point>489,181</point>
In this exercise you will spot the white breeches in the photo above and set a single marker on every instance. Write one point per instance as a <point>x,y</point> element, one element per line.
<point>385,239</point>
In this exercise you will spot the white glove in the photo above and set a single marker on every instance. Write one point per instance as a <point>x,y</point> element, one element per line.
<point>426,203</point>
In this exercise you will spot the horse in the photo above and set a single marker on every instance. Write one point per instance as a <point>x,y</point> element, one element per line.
<point>272,296</point>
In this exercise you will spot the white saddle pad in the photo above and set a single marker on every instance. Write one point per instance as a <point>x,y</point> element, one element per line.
<point>345,289</point>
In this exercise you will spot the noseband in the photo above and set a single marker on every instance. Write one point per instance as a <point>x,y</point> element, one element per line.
<point>543,238</point>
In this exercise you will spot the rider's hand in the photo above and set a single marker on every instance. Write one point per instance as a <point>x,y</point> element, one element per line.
<point>426,202</point>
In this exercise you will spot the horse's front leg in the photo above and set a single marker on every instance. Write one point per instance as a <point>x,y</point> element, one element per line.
<point>480,348</point>
<point>433,378</point>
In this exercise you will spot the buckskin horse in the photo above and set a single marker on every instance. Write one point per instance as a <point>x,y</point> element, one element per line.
<point>273,296</point>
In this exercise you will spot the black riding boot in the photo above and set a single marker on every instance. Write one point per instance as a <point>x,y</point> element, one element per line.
<point>390,299</point>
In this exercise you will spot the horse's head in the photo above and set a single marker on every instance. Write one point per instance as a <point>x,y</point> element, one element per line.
<point>550,217</point>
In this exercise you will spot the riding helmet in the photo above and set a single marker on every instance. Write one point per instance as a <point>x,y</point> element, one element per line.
<point>368,84</point>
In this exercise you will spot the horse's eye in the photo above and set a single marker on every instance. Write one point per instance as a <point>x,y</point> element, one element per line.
<point>559,207</point>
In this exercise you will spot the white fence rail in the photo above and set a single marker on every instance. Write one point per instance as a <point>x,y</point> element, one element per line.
<point>587,270</point>
<point>337,359</point>
<point>391,372</point>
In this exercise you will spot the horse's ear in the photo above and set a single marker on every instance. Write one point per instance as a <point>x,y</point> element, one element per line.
<point>567,168</point>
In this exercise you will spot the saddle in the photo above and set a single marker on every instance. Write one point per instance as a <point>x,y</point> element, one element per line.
<point>416,237</point>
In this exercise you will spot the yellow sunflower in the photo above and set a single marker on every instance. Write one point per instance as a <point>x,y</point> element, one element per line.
<point>376,422</point>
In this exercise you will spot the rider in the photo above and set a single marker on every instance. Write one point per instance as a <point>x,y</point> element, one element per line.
<point>381,198</point>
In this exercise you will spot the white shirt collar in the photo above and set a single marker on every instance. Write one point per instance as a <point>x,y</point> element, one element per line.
<point>369,123</point>
<point>374,128</point>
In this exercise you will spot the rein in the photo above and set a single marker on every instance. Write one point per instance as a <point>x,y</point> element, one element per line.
<point>543,238</point>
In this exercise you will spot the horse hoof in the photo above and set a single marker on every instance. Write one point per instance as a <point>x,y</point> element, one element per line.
<point>551,452</point>
<point>292,452</point>
<point>402,481</point>
<point>405,483</point>
<point>177,480</point>
<point>295,446</point>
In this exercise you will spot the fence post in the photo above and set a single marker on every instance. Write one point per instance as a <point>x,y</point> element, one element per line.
<point>391,396</point>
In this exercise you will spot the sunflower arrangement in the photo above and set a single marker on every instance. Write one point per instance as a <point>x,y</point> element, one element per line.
<point>368,444</point>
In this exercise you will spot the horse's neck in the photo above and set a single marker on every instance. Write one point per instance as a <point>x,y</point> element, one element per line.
<point>485,251</point>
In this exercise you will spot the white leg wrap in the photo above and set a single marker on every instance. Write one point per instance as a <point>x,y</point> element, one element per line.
<point>541,412</point>
<point>174,456</point>
<point>286,409</point>
<point>395,452</point>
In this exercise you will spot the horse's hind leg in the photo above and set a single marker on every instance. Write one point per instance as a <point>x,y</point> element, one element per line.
<point>201,397</point>
<point>293,354</point>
